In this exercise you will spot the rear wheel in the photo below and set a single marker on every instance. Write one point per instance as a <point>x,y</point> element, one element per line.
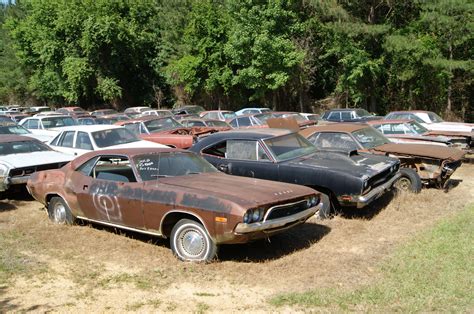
<point>59,212</point>
<point>409,181</point>
<point>190,242</point>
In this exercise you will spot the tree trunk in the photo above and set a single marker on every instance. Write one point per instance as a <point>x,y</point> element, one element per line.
<point>450,81</point>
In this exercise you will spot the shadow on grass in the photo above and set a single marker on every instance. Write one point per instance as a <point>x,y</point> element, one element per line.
<point>451,184</point>
<point>369,211</point>
<point>295,239</point>
<point>8,305</point>
<point>5,207</point>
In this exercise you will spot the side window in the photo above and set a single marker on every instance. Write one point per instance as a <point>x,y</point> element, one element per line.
<point>334,116</point>
<point>113,168</point>
<point>33,124</point>
<point>83,141</point>
<point>86,168</point>
<point>217,150</point>
<point>67,139</point>
<point>384,128</point>
<point>333,140</point>
<point>346,115</point>
<point>399,129</point>
<point>233,123</point>
<point>241,149</point>
<point>261,154</point>
<point>134,127</point>
<point>245,121</point>
<point>196,123</point>
<point>55,141</point>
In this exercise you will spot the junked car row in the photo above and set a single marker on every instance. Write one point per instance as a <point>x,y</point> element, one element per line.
<point>228,186</point>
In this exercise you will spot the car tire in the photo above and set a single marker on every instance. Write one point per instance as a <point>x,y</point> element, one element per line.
<point>409,181</point>
<point>59,212</point>
<point>191,242</point>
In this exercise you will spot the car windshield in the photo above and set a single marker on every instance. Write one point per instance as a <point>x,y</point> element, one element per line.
<point>417,128</point>
<point>55,122</point>
<point>113,137</point>
<point>295,116</point>
<point>370,138</point>
<point>11,128</point>
<point>362,113</point>
<point>22,147</point>
<point>158,125</point>
<point>289,146</point>
<point>262,117</point>
<point>229,115</point>
<point>217,123</point>
<point>434,117</point>
<point>193,109</point>
<point>170,164</point>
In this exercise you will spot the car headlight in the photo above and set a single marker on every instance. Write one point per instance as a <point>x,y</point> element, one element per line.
<point>312,201</point>
<point>253,215</point>
<point>4,170</point>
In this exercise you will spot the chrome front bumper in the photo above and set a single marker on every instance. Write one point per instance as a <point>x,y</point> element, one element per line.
<point>364,200</point>
<point>283,222</point>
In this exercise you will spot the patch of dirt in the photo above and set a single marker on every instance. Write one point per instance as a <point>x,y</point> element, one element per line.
<point>108,270</point>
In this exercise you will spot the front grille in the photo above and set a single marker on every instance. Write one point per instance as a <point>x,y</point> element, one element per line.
<point>285,210</point>
<point>26,171</point>
<point>382,177</point>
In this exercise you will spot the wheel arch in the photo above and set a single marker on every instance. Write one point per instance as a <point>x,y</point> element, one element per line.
<point>172,217</point>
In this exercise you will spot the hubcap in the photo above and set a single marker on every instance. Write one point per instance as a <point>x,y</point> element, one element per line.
<point>59,213</point>
<point>404,184</point>
<point>192,242</point>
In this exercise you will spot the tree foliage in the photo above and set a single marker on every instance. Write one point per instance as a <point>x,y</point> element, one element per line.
<point>288,54</point>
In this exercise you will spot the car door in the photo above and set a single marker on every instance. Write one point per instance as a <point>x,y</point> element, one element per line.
<point>82,144</point>
<point>107,191</point>
<point>64,143</point>
<point>245,158</point>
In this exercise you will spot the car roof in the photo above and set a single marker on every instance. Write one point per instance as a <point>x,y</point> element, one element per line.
<point>254,134</point>
<point>130,152</point>
<point>390,121</point>
<point>334,127</point>
<point>51,116</point>
<point>345,109</point>
<point>410,111</point>
<point>7,138</point>
<point>90,128</point>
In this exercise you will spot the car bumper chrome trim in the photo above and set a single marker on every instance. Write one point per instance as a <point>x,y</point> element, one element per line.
<point>280,222</point>
<point>363,200</point>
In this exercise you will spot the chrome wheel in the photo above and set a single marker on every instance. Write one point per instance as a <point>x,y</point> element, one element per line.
<point>191,242</point>
<point>59,213</point>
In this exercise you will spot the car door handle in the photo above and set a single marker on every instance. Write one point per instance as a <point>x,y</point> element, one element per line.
<point>223,168</point>
<point>85,187</point>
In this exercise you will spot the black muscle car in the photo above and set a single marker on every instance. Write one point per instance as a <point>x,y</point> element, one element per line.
<point>350,179</point>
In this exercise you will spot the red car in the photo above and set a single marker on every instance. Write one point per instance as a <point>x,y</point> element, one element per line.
<point>165,130</point>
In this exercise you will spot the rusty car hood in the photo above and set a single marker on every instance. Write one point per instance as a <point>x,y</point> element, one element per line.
<point>35,158</point>
<point>244,191</point>
<point>423,150</point>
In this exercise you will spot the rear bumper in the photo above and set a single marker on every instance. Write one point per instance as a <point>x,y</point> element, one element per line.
<point>363,200</point>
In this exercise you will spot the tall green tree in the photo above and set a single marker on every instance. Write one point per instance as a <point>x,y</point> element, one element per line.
<point>89,52</point>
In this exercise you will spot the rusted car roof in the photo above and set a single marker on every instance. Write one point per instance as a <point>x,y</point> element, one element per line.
<point>130,152</point>
<point>391,121</point>
<point>335,127</point>
<point>6,138</point>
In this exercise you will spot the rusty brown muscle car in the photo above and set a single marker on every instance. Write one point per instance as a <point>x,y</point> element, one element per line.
<point>421,164</point>
<point>174,194</point>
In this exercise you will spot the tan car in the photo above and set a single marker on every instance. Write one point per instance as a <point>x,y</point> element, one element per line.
<point>174,194</point>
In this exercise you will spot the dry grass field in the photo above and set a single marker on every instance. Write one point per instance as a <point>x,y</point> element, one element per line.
<point>45,267</point>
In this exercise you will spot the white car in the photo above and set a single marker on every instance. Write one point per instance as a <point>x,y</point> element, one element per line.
<point>20,156</point>
<point>159,113</point>
<point>245,111</point>
<point>80,139</point>
<point>47,125</point>
<point>430,120</point>
<point>15,129</point>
